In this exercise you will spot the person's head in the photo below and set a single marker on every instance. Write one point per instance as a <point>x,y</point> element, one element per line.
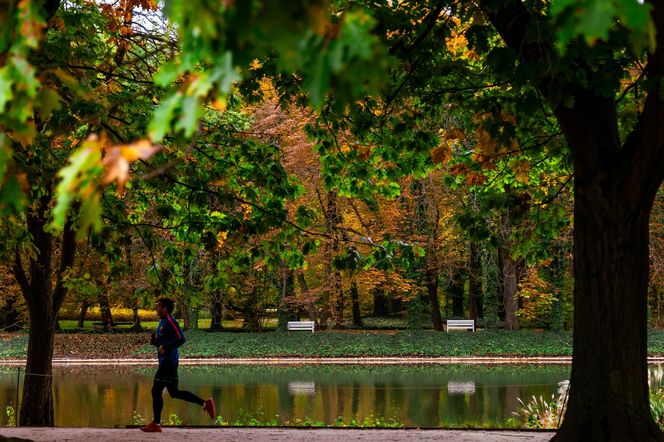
<point>164,305</point>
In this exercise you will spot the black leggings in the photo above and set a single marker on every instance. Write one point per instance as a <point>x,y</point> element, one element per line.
<point>172,387</point>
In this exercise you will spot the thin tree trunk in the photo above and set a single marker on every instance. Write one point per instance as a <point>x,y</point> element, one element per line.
<point>475,296</point>
<point>304,288</point>
<point>355,299</point>
<point>509,276</point>
<point>217,312</point>
<point>136,319</point>
<point>431,284</point>
<point>456,292</point>
<point>81,316</point>
<point>285,309</point>
<point>105,310</point>
<point>336,295</point>
<point>380,307</point>
<point>185,311</point>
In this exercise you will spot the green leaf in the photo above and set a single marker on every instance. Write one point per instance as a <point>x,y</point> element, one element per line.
<point>318,79</point>
<point>80,174</point>
<point>161,121</point>
<point>224,73</point>
<point>49,100</point>
<point>596,21</point>
<point>12,198</point>
<point>191,112</point>
<point>6,82</point>
<point>90,215</point>
<point>167,74</point>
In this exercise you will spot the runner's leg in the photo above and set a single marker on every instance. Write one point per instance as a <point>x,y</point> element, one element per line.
<point>183,394</point>
<point>157,400</point>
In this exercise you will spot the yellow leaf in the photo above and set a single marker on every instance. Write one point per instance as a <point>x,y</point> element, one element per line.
<point>142,149</point>
<point>454,134</point>
<point>441,154</point>
<point>221,238</point>
<point>117,159</point>
<point>485,143</point>
<point>521,169</point>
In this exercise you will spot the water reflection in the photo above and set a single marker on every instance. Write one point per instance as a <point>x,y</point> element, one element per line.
<point>423,396</point>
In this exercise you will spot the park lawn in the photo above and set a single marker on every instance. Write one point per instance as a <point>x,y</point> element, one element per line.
<point>321,344</point>
<point>203,324</point>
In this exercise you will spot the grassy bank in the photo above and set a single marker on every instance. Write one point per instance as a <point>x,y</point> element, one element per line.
<point>326,344</point>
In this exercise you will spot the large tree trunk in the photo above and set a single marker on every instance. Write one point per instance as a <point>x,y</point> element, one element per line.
<point>609,396</point>
<point>37,403</point>
<point>615,186</point>
<point>44,300</point>
<point>609,382</point>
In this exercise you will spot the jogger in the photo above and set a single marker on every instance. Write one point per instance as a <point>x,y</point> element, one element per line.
<point>167,339</point>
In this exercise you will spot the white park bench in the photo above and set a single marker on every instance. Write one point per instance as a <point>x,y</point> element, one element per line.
<point>460,324</point>
<point>301,325</point>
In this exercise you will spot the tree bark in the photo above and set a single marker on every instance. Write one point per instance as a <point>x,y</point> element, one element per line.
<point>286,310</point>
<point>509,275</point>
<point>217,313</point>
<point>431,284</point>
<point>355,300</point>
<point>304,288</point>
<point>615,186</point>
<point>37,403</point>
<point>43,299</point>
<point>475,297</point>
<point>81,315</point>
<point>380,307</point>
<point>609,383</point>
<point>105,310</point>
<point>455,290</point>
<point>614,191</point>
<point>185,312</point>
<point>136,319</point>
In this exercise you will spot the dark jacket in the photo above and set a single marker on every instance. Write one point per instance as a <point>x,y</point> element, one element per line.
<point>170,336</point>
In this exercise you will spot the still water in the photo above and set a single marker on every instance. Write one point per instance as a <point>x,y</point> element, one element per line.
<point>421,396</point>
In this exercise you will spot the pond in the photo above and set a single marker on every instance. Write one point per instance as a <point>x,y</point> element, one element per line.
<point>419,396</point>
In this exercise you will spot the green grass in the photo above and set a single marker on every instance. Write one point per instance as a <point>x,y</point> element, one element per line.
<point>201,343</point>
<point>13,347</point>
<point>404,343</point>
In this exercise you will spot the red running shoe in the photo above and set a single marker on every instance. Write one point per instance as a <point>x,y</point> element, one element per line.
<point>152,427</point>
<point>208,407</point>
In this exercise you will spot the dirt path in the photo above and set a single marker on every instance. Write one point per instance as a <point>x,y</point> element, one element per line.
<point>271,434</point>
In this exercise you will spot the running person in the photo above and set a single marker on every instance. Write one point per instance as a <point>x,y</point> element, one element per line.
<point>167,339</point>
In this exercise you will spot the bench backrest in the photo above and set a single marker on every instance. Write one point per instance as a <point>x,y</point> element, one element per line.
<point>301,325</point>
<point>461,324</point>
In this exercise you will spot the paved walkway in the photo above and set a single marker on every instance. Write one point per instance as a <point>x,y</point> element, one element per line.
<point>270,434</point>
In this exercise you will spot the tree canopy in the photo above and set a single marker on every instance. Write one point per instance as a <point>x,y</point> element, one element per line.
<point>184,124</point>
